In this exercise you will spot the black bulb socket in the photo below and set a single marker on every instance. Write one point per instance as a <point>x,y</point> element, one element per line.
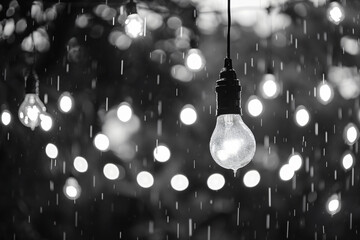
<point>228,91</point>
<point>31,83</point>
<point>131,8</point>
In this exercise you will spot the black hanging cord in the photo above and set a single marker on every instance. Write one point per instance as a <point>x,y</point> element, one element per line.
<point>228,29</point>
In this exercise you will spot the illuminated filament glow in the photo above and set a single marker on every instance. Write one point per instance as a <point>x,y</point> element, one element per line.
<point>134,25</point>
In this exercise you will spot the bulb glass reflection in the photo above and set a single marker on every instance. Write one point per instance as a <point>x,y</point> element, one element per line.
<point>134,25</point>
<point>232,144</point>
<point>30,110</point>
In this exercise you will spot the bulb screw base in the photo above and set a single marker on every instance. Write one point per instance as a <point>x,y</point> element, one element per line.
<point>228,89</point>
<point>131,8</point>
<point>32,83</point>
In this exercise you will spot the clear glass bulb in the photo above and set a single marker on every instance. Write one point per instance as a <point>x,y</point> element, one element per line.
<point>232,144</point>
<point>30,110</point>
<point>134,25</point>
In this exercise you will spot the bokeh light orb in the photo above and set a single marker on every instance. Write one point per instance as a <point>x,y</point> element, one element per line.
<point>295,161</point>
<point>80,164</point>
<point>179,182</point>
<point>254,106</point>
<point>269,88</point>
<point>251,178</point>
<point>194,60</point>
<point>188,115</point>
<point>124,112</point>
<point>111,171</point>
<point>51,150</point>
<point>325,93</point>
<point>46,122</point>
<point>302,116</point>
<point>5,117</point>
<point>286,172</point>
<point>162,153</point>
<point>215,181</point>
<point>72,189</point>
<point>134,25</point>
<point>347,160</point>
<point>145,179</point>
<point>351,133</point>
<point>335,13</point>
<point>65,102</point>
<point>101,142</point>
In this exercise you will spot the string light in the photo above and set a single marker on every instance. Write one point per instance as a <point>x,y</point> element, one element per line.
<point>302,116</point>
<point>101,142</point>
<point>269,88</point>
<point>251,178</point>
<point>215,181</point>
<point>188,115</point>
<point>162,153</point>
<point>286,172</point>
<point>179,182</point>
<point>232,144</point>
<point>51,151</point>
<point>80,164</point>
<point>72,189</point>
<point>65,102</point>
<point>46,121</point>
<point>145,179</point>
<point>5,117</point>
<point>347,160</point>
<point>295,161</point>
<point>194,60</point>
<point>134,24</point>
<point>124,112</point>
<point>351,133</point>
<point>325,92</point>
<point>333,204</point>
<point>254,106</point>
<point>111,171</point>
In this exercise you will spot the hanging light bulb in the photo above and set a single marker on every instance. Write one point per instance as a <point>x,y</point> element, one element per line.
<point>134,24</point>
<point>32,107</point>
<point>335,13</point>
<point>232,144</point>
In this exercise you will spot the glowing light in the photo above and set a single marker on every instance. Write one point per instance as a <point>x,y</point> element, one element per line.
<point>351,133</point>
<point>51,151</point>
<point>302,116</point>
<point>6,117</point>
<point>335,13</point>
<point>80,164</point>
<point>286,172</point>
<point>254,106</point>
<point>216,181</point>
<point>134,25</point>
<point>188,115</point>
<point>145,179</point>
<point>111,171</point>
<point>101,142</point>
<point>181,73</point>
<point>162,153</point>
<point>66,102</point>
<point>348,160</point>
<point>269,87</point>
<point>72,189</point>
<point>325,93</point>
<point>333,204</point>
<point>179,182</point>
<point>251,178</point>
<point>295,161</point>
<point>30,110</point>
<point>194,60</point>
<point>124,112</point>
<point>46,122</point>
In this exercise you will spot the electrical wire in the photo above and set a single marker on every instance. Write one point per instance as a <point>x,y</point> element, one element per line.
<point>228,30</point>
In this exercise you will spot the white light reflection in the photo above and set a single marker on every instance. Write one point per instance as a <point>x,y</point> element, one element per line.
<point>286,172</point>
<point>295,161</point>
<point>145,179</point>
<point>269,88</point>
<point>124,112</point>
<point>72,189</point>
<point>111,171</point>
<point>333,204</point>
<point>302,116</point>
<point>351,133</point>
<point>101,142</point>
<point>65,102</point>
<point>254,106</point>
<point>216,181</point>
<point>188,115</point>
<point>325,92</point>
<point>251,178</point>
<point>194,60</point>
<point>162,153</point>
<point>6,117</point>
<point>348,160</point>
<point>80,164</point>
<point>51,151</point>
<point>179,182</point>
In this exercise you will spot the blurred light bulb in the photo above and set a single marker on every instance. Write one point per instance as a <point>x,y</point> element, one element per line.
<point>111,171</point>
<point>351,133</point>
<point>72,189</point>
<point>6,117</point>
<point>145,179</point>
<point>179,182</point>
<point>232,144</point>
<point>101,142</point>
<point>162,153</point>
<point>66,102</point>
<point>51,151</point>
<point>124,112</point>
<point>30,110</point>
<point>335,13</point>
<point>46,121</point>
<point>251,178</point>
<point>216,181</point>
<point>333,204</point>
<point>325,92</point>
<point>80,164</point>
<point>295,161</point>
<point>194,60</point>
<point>134,25</point>
<point>269,88</point>
<point>302,116</point>
<point>188,115</point>
<point>254,106</point>
<point>348,160</point>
